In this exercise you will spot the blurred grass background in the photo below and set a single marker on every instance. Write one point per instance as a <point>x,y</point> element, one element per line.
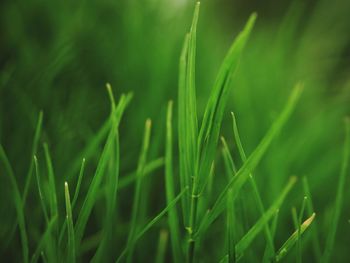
<point>56,56</point>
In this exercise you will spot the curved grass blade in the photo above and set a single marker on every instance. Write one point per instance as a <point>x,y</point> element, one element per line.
<point>173,218</point>
<point>17,203</point>
<point>243,174</point>
<point>340,195</point>
<point>71,237</point>
<point>287,246</point>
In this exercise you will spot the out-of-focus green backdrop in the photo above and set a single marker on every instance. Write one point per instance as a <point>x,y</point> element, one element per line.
<point>57,56</point>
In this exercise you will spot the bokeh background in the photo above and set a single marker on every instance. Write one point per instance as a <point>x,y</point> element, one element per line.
<point>57,56</point>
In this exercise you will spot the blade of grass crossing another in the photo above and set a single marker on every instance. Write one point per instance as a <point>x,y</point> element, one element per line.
<point>300,218</point>
<point>69,218</point>
<point>269,240</point>
<point>287,246</point>
<point>310,209</point>
<point>248,238</point>
<point>17,203</point>
<point>243,174</point>
<point>340,195</point>
<point>173,218</point>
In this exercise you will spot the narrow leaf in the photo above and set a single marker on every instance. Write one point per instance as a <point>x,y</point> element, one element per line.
<point>71,237</point>
<point>287,246</point>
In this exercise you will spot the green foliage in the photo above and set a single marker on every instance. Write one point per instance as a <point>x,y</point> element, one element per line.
<point>228,207</point>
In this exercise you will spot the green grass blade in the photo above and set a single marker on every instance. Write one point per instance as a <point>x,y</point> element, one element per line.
<point>210,129</point>
<point>90,149</point>
<point>71,238</point>
<point>151,224</point>
<point>287,246</point>
<point>340,195</point>
<point>184,166</point>
<point>173,218</point>
<point>230,225</point>
<point>41,195</point>
<point>248,238</point>
<point>271,250</point>
<point>53,253</point>
<point>314,230</point>
<point>45,238</point>
<point>91,195</point>
<point>300,218</point>
<point>268,256</point>
<point>76,194</point>
<point>137,194</point>
<point>37,135</point>
<point>17,203</point>
<point>80,179</point>
<point>188,122</point>
<point>36,139</point>
<point>243,174</point>
<point>162,244</point>
<point>228,160</point>
<point>111,196</point>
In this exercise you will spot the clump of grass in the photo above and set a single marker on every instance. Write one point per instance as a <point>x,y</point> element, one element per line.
<point>186,228</point>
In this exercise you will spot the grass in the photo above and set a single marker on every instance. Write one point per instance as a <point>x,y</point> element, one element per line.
<point>169,196</point>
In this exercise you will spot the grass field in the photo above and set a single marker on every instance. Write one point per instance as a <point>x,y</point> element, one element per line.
<point>174,131</point>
